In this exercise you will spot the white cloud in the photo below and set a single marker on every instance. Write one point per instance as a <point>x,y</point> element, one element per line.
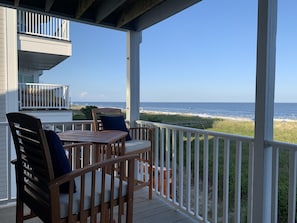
<point>83,95</point>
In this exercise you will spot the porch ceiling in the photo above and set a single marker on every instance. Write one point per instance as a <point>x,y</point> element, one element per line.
<point>134,15</point>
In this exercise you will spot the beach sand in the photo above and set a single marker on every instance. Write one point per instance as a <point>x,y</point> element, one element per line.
<point>78,107</point>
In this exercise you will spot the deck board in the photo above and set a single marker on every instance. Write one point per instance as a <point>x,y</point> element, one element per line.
<point>145,211</point>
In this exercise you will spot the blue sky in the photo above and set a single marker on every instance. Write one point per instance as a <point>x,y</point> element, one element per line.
<point>207,53</point>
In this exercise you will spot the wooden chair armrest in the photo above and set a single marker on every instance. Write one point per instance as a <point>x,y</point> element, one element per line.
<point>93,167</point>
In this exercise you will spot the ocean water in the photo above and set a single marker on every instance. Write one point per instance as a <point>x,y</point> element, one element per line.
<point>230,110</point>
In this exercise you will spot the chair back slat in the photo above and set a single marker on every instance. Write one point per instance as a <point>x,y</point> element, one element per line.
<point>97,112</point>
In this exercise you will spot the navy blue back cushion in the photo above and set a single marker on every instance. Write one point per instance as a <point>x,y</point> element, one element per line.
<point>115,123</point>
<point>60,161</point>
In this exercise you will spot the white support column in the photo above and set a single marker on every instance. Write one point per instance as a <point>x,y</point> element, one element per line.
<point>12,60</point>
<point>8,95</point>
<point>265,84</point>
<point>133,77</point>
<point>9,62</point>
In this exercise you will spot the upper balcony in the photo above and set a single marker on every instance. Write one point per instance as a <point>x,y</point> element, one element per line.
<point>43,41</point>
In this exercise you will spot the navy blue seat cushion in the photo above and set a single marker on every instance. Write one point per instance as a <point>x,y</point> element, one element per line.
<point>60,161</point>
<point>115,123</point>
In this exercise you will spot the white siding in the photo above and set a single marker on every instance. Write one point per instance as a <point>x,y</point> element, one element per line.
<point>8,85</point>
<point>3,153</point>
<point>3,62</point>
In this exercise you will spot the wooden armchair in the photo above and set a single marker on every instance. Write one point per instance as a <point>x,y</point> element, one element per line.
<point>138,141</point>
<point>87,192</point>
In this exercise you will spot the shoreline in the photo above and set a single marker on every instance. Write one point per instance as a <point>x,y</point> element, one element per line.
<point>211,116</point>
<point>78,107</point>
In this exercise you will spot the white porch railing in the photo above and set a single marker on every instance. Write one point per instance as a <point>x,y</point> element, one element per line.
<point>43,96</point>
<point>209,175</point>
<point>42,25</point>
<point>206,174</point>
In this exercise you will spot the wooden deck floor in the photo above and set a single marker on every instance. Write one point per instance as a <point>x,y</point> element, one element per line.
<point>145,211</point>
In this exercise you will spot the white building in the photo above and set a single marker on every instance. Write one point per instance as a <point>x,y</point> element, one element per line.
<point>31,43</point>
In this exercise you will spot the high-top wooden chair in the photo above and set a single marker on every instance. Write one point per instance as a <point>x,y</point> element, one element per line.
<point>90,193</point>
<point>138,141</point>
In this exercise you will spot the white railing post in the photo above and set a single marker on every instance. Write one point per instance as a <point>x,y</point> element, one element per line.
<point>292,187</point>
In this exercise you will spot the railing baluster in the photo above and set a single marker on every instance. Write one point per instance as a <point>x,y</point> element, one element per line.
<point>162,144</point>
<point>292,186</point>
<point>167,150</point>
<point>188,170</point>
<point>250,182</point>
<point>274,199</point>
<point>197,175</point>
<point>174,165</point>
<point>26,101</point>
<point>215,180</point>
<point>181,169</point>
<point>156,158</point>
<point>205,180</point>
<point>238,181</point>
<point>226,180</point>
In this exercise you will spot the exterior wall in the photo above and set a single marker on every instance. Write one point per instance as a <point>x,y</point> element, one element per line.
<point>29,75</point>
<point>8,84</point>
<point>3,153</point>
<point>2,68</point>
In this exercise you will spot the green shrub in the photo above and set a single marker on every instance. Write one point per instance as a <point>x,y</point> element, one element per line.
<point>87,111</point>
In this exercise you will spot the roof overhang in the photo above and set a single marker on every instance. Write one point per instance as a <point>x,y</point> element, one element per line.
<point>39,53</point>
<point>134,15</point>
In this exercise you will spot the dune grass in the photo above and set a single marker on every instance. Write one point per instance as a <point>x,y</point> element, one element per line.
<point>284,131</point>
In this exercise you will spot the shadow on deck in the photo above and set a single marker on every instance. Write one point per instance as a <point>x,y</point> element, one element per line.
<point>145,211</point>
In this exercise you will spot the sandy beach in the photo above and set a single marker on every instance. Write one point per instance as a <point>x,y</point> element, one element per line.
<point>76,107</point>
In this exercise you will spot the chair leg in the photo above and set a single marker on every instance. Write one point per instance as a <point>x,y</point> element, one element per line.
<point>129,213</point>
<point>150,175</point>
<point>19,212</point>
<point>151,182</point>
